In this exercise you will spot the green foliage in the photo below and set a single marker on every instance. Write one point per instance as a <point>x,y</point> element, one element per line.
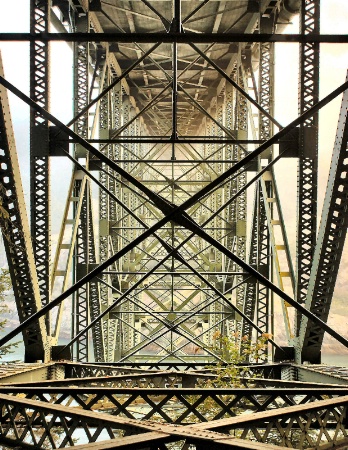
<point>238,351</point>
<point>5,287</point>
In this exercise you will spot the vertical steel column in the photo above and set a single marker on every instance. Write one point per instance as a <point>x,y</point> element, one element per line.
<point>208,254</point>
<point>114,328</point>
<point>81,299</point>
<point>110,118</point>
<point>94,303</point>
<point>257,296</point>
<point>175,27</point>
<point>39,149</point>
<point>308,156</point>
<point>81,311</point>
<point>266,80</point>
<point>230,190</point>
<point>263,264</point>
<point>215,202</point>
<point>265,190</point>
<point>250,293</point>
<point>241,126</point>
<point>330,243</point>
<point>256,301</point>
<point>133,232</point>
<point>104,211</point>
<point>128,234</point>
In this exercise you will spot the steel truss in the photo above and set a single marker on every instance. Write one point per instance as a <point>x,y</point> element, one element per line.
<point>330,243</point>
<point>167,275</point>
<point>173,122</point>
<point>308,151</point>
<point>224,402</point>
<point>103,411</point>
<point>40,13</point>
<point>16,234</point>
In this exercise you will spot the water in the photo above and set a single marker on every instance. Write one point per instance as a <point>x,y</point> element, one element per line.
<point>335,360</point>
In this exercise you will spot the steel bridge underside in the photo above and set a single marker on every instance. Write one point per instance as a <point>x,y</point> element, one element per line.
<point>173,236</point>
<point>170,129</point>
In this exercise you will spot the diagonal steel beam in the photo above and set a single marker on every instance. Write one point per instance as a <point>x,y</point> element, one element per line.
<point>112,85</point>
<point>192,13</point>
<point>173,212</point>
<point>163,322</point>
<point>129,211</point>
<point>151,312</point>
<point>173,252</point>
<point>124,295</point>
<point>202,110</point>
<point>165,22</point>
<point>146,107</point>
<point>236,86</point>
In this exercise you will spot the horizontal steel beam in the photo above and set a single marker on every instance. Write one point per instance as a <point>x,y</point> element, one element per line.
<point>189,140</point>
<point>57,391</point>
<point>183,38</point>
<point>104,376</point>
<point>161,272</point>
<point>169,161</point>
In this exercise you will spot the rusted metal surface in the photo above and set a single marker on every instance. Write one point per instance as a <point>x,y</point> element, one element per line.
<point>272,429</point>
<point>97,412</point>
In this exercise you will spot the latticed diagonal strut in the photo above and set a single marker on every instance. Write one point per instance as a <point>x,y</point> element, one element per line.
<point>176,213</point>
<point>15,230</point>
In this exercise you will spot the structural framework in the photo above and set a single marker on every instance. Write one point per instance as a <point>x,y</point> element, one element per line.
<point>159,255</point>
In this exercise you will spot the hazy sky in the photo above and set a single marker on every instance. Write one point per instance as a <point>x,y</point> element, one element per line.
<point>333,68</point>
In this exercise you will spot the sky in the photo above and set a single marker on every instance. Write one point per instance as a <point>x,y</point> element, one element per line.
<point>333,69</point>
<point>16,66</point>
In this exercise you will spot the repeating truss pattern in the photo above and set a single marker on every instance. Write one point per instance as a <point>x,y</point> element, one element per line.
<point>58,414</point>
<point>15,229</point>
<point>159,213</point>
<point>40,13</point>
<point>164,131</point>
<point>265,189</point>
<point>308,165</point>
<point>172,160</point>
<point>175,405</point>
<point>326,257</point>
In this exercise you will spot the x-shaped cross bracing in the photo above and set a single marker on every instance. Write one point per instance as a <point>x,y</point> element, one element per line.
<point>174,213</point>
